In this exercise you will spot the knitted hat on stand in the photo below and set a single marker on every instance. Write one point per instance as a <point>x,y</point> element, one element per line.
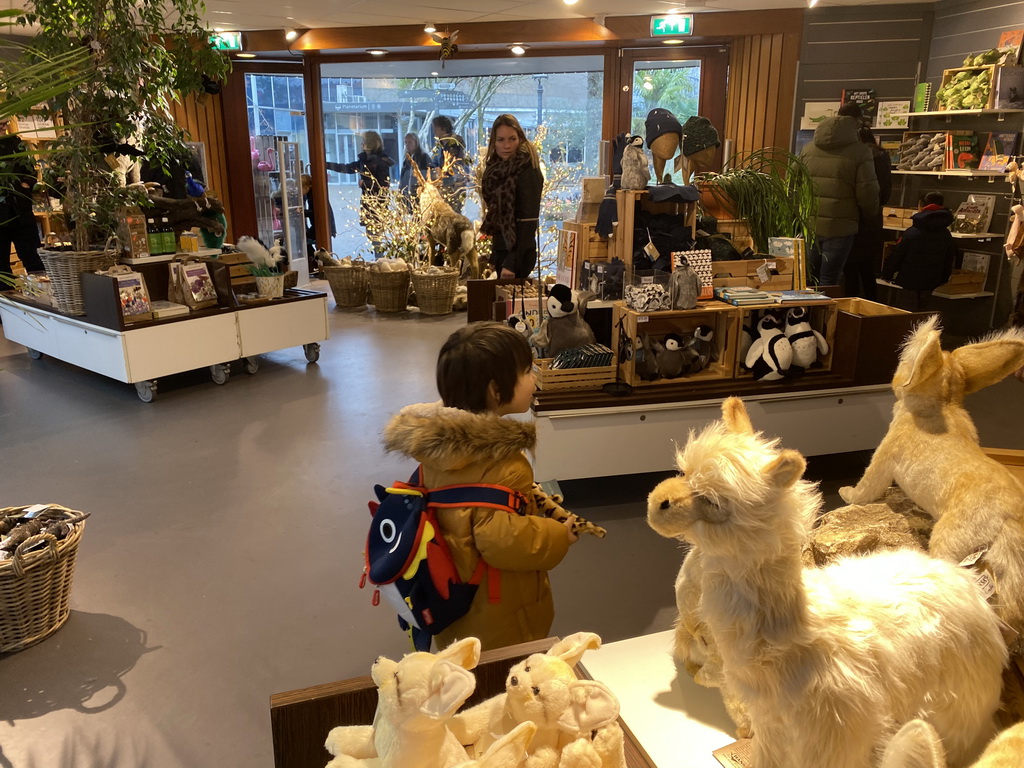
<point>698,134</point>
<point>659,122</point>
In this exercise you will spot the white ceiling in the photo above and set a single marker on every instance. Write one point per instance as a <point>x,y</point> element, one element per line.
<point>271,14</point>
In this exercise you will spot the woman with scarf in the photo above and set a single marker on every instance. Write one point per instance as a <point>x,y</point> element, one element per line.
<point>511,187</point>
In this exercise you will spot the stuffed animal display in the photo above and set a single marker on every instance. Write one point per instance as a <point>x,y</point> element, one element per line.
<point>635,173</point>
<point>917,745</point>
<point>684,286</point>
<point>771,354</point>
<point>806,342</point>
<point>825,660</point>
<point>575,719</point>
<point>564,327</point>
<point>931,451</point>
<point>674,355</point>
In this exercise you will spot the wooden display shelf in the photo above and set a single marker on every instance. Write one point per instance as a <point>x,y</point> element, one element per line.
<point>626,202</point>
<point>822,319</point>
<point>957,112</point>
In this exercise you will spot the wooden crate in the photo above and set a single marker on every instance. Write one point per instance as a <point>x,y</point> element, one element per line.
<point>738,232</point>
<point>578,242</point>
<point>822,319</point>
<point>723,318</point>
<point>626,201</point>
<point>868,339</point>
<point>744,273</point>
<point>949,74</point>
<point>549,378</point>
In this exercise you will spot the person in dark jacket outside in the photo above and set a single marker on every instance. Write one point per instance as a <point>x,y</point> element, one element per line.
<point>17,222</point>
<point>923,258</point>
<point>449,158</point>
<point>843,172</point>
<point>372,165</point>
<point>414,155</point>
<point>511,188</point>
<point>866,254</point>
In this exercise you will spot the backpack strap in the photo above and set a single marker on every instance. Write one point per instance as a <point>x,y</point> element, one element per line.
<point>477,495</point>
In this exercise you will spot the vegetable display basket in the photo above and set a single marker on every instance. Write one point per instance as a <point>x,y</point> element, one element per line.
<point>389,291</point>
<point>348,284</point>
<point>435,292</point>
<point>35,586</point>
<point>65,268</point>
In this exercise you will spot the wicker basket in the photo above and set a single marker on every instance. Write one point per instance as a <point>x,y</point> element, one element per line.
<point>435,293</point>
<point>35,586</point>
<point>348,284</point>
<point>65,268</point>
<point>389,290</point>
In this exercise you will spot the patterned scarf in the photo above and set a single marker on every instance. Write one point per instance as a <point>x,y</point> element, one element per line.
<point>499,192</point>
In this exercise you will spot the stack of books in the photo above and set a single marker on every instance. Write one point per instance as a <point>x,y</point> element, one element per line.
<point>742,295</point>
<point>806,296</point>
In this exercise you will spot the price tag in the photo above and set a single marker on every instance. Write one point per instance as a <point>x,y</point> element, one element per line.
<point>763,273</point>
<point>642,319</point>
<point>647,280</point>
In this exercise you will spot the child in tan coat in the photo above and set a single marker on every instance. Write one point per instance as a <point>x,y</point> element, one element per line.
<point>484,372</point>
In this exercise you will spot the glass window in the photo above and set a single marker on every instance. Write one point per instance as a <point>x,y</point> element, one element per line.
<point>672,85</point>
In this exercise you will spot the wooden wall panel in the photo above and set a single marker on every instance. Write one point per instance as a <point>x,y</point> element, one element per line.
<point>762,71</point>
<point>203,120</point>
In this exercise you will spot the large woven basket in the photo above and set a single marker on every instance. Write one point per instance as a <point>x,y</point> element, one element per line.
<point>389,291</point>
<point>348,284</point>
<point>35,586</point>
<point>65,268</point>
<point>435,293</point>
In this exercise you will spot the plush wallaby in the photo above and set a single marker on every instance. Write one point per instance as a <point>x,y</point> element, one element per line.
<point>828,661</point>
<point>917,745</point>
<point>931,451</point>
<point>446,227</point>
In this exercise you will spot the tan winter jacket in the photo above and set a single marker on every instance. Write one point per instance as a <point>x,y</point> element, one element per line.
<point>456,446</point>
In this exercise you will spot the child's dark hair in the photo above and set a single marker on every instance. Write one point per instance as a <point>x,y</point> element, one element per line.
<point>932,198</point>
<point>444,123</point>
<point>476,355</point>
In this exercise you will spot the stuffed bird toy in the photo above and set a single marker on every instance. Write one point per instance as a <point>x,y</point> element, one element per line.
<point>564,326</point>
<point>635,173</point>
<point>771,354</point>
<point>701,348</point>
<point>806,341</point>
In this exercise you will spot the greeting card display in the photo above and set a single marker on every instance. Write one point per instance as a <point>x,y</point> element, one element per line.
<point>132,296</point>
<point>191,285</point>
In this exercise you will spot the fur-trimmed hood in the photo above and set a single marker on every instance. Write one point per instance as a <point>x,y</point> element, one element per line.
<point>450,438</point>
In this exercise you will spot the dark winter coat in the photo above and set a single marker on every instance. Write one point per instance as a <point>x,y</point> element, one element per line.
<point>871,235</point>
<point>407,181</point>
<point>923,258</point>
<point>17,177</point>
<point>374,177</point>
<point>843,173</point>
<point>521,258</point>
<point>457,447</point>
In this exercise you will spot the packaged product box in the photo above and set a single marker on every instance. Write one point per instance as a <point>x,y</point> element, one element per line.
<point>594,188</point>
<point>131,231</point>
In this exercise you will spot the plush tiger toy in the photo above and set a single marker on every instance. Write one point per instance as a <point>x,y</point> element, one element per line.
<point>551,506</point>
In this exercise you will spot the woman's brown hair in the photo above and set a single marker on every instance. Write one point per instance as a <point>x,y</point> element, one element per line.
<point>524,143</point>
<point>373,142</point>
<point>473,357</point>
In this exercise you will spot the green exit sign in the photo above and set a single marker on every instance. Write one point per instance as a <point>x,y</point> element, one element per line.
<point>671,26</point>
<point>226,41</point>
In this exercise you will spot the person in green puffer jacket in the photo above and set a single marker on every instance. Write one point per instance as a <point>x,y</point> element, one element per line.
<point>843,172</point>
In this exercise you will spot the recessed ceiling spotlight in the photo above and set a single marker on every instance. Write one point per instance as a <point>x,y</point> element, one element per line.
<point>518,48</point>
<point>218,30</point>
<point>433,74</point>
<point>570,2</point>
<point>429,28</point>
<point>811,3</point>
<point>291,34</point>
<point>376,51</point>
<point>245,55</point>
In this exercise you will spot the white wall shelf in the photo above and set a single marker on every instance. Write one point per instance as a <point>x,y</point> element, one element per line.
<point>991,175</point>
<point>956,112</point>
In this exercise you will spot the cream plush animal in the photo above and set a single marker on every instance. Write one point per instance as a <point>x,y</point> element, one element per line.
<point>575,719</point>
<point>931,451</point>
<point>827,661</point>
<point>917,745</point>
<point>507,752</point>
<point>416,697</point>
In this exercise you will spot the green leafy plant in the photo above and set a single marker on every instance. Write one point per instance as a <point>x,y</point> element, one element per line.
<point>772,190</point>
<point>142,55</point>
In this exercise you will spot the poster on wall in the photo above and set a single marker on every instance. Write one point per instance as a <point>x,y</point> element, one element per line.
<point>817,111</point>
<point>892,115</point>
<point>864,98</point>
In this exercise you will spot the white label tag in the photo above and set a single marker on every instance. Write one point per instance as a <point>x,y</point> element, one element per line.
<point>642,319</point>
<point>646,279</point>
<point>972,558</point>
<point>986,583</point>
<point>652,250</point>
<point>764,273</point>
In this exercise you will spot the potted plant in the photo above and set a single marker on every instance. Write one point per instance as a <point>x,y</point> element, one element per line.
<point>142,55</point>
<point>771,189</point>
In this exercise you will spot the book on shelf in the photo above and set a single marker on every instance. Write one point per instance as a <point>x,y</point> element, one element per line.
<point>1012,38</point>
<point>1009,88</point>
<point>962,151</point>
<point>865,99</point>
<point>892,115</point>
<point>132,296</point>
<point>922,97</point>
<point>998,151</point>
<point>803,296</point>
<point>784,246</point>
<point>163,309</point>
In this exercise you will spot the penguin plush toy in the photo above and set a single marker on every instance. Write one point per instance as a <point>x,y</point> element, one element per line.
<point>644,364</point>
<point>806,341</point>
<point>670,356</point>
<point>635,173</point>
<point>564,326</point>
<point>701,347</point>
<point>771,354</point>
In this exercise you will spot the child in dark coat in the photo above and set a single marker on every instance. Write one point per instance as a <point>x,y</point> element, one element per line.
<point>922,259</point>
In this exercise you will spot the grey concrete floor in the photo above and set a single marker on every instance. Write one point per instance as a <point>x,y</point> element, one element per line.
<point>221,561</point>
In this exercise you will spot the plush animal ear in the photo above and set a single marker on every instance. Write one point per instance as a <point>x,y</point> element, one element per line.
<point>786,469</point>
<point>734,414</point>
<point>448,688</point>
<point>510,750</point>
<point>591,706</point>
<point>988,362</point>
<point>915,745</point>
<point>570,649</point>
<point>921,357</point>
<point>465,653</point>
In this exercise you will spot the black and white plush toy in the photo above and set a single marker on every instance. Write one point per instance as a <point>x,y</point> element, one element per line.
<point>635,173</point>
<point>564,327</point>
<point>806,341</point>
<point>671,357</point>
<point>771,354</point>
<point>701,346</point>
<point>644,364</point>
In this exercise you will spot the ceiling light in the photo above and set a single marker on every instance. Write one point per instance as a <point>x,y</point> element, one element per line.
<point>433,74</point>
<point>291,34</point>
<point>429,28</point>
<point>376,51</point>
<point>245,55</point>
<point>811,3</point>
<point>648,85</point>
<point>518,48</point>
<point>673,41</point>
<point>570,2</point>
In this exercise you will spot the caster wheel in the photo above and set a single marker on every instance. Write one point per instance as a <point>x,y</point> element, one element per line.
<point>220,373</point>
<point>252,364</point>
<point>35,354</point>
<point>312,351</point>
<point>146,390</point>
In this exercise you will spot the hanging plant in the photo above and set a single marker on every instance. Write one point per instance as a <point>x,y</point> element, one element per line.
<point>143,55</point>
<point>772,190</point>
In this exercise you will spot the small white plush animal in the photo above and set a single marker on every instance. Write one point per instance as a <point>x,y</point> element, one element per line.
<point>917,745</point>
<point>931,451</point>
<point>702,348</point>
<point>827,661</point>
<point>806,341</point>
<point>510,751</point>
<point>416,697</point>
<point>771,354</point>
<point>635,171</point>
